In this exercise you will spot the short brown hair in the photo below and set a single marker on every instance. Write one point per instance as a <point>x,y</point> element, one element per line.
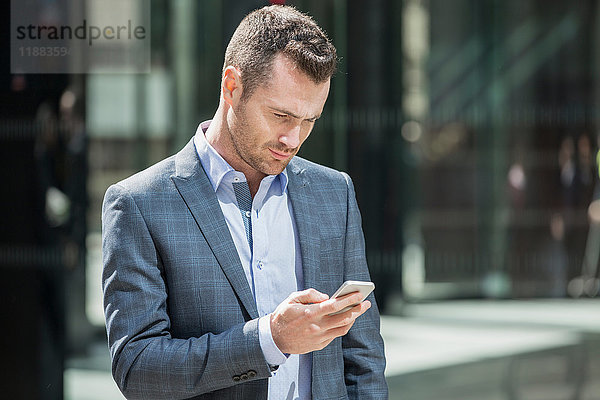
<point>273,30</point>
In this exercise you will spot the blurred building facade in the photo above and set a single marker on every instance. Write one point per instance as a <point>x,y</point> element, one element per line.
<point>469,128</point>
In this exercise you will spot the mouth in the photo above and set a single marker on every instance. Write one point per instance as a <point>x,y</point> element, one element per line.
<point>279,155</point>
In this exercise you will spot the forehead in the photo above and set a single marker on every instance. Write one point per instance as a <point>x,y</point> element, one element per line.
<point>289,87</point>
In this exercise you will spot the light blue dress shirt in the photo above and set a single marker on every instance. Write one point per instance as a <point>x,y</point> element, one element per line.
<point>273,266</point>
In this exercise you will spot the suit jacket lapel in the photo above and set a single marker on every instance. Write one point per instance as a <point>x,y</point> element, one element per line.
<point>307,223</point>
<point>197,192</point>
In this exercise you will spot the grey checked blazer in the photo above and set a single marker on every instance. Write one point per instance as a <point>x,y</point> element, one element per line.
<point>181,319</point>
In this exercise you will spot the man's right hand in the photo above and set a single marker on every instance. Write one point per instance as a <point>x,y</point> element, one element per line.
<point>302,323</point>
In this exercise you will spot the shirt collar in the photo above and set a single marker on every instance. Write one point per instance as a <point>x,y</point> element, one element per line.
<point>216,167</point>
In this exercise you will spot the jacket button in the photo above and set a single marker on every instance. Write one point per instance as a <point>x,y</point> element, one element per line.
<point>251,374</point>
<point>236,378</point>
<point>244,377</point>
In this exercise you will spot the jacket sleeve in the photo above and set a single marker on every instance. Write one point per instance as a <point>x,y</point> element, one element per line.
<point>362,346</point>
<point>147,362</point>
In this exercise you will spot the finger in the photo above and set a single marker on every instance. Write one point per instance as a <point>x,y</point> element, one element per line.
<point>322,344</point>
<point>336,332</point>
<point>347,317</point>
<point>308,296</point>
<point>339,303</point>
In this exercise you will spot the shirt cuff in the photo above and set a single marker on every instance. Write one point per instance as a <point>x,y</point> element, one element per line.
<point>272,354</point>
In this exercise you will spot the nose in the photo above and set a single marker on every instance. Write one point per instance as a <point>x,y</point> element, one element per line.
<point>291,138</point>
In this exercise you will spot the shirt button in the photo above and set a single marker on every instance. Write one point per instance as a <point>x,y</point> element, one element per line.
<point>260,265</point>
<point>247,214</point>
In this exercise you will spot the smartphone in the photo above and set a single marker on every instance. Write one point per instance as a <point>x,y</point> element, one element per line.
<point>365,288</point>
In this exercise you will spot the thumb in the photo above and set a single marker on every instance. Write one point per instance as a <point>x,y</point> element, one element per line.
<point>308,296</point>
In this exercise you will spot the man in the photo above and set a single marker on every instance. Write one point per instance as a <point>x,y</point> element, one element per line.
<point>218,261</point>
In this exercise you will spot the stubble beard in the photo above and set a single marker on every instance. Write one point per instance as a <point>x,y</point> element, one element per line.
<point>244,148</point>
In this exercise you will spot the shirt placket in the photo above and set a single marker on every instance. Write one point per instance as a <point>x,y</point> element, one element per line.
<point>260,263</point>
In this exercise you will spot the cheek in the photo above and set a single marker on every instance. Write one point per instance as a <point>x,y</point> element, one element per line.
<point>249,129</point>
<point>248,119</point>
<point>263,128</point>
<point>305,133</point>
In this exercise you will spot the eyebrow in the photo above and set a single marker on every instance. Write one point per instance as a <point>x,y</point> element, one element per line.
<point>282,111</point>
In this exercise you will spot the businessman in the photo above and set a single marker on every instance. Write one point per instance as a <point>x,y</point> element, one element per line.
<point>219,261</point>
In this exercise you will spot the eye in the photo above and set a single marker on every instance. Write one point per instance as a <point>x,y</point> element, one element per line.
<point>280,115</point>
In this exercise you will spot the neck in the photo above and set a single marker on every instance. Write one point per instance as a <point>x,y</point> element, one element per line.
<point>219,138</point>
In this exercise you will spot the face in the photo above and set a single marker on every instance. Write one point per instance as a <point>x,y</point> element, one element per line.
<point>267,129</point>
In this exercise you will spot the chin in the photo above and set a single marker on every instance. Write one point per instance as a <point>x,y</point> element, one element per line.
<point>276,169</point>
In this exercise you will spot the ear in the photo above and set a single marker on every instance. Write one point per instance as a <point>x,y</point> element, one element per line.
<point>231,85</point>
